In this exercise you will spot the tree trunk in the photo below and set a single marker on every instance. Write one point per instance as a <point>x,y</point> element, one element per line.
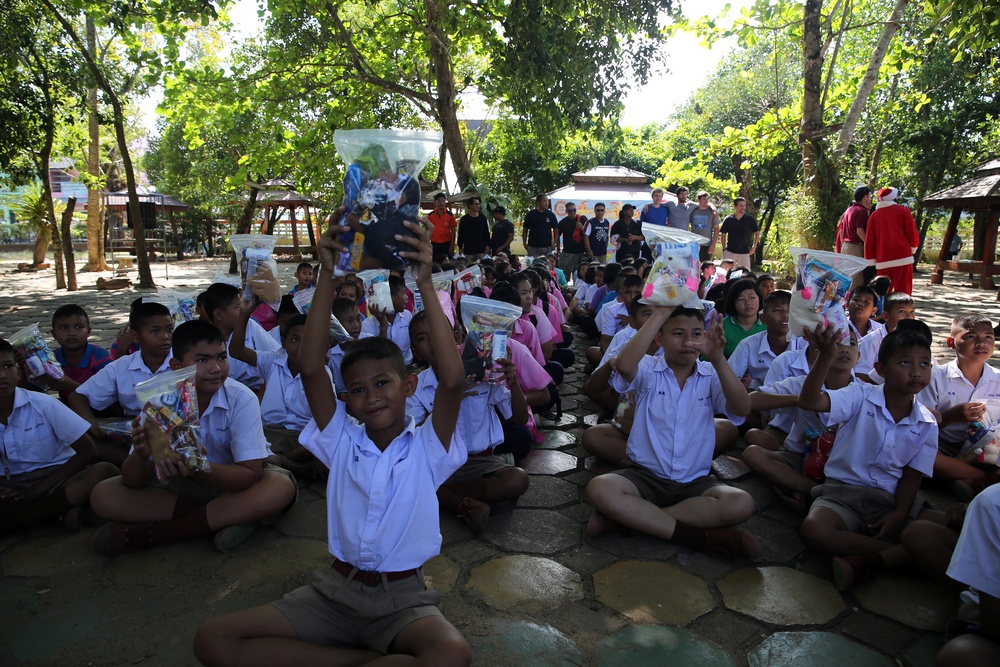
<point>812,110</point>
<point>67,219</point>
<point>50,215</point>
<point>41,249</point>
<point>95,221</point>
<point>138,228</point>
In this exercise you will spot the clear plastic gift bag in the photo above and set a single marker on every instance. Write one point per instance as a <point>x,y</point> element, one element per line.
<point>303,299</point>
<point>676,271</point>
<point>467,280</point>
<point>822,281</point>
<point>170,417</point>
<point>982,443</point>
<point>488,325</point>
<point>32,349</point>
<point>258,269</point>
<point>180,304</point>
<point>381,191</point>
<point>377,293</point>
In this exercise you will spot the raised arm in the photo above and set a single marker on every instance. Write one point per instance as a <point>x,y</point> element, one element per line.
<point>634,350</point>
<point>762,401</point>
<point>713,347</point>
<point>238,343</point>
<point>812,396</point>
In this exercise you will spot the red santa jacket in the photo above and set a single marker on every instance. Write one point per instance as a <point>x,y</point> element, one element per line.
<point>892,237</point>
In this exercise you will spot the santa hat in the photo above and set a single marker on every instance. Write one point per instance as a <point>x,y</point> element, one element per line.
<point>887,194</point>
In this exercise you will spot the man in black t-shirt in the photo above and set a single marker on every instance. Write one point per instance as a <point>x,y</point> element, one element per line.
<point>571,233</point>
<point>540,228</point>
<point>740,235</point>
<point>503,232</point>
<point>473,232</point>
<point>596,234</point>
<point>628,234</point>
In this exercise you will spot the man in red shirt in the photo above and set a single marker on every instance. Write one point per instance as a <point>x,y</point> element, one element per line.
<point>891,240</point>
<point>443,236</point>
<point>853,227</point>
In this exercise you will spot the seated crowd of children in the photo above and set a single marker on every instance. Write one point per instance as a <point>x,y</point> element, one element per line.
<point>845,429</point>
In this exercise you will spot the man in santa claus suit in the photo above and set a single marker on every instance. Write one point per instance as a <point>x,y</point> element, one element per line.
<point>891,241</point>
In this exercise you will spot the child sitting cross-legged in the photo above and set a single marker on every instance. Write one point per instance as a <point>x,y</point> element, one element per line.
<point>79,359</point>
<point>47,455</point>
<point>669,492</point>
<point>392,324</point>
<point>166,502</point>
<point>383,518</point>
<point>886,441</point>
<point>223,305</point>
<point>898,306</point>
<point>485,478</point>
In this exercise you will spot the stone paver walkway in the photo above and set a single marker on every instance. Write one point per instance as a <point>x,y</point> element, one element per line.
<point>532,591</point>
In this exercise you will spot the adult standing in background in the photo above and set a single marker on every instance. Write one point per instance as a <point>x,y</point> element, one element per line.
<point>473,231</point>
<point>891,240</point>
<point>503,232</point>
<point>443,236</point>
<point>705,222</point>
<point>627,233</point>
<point>655,213</point>
<point>571,235</point>
<point>853,228</point>
<point>740,235</point>
<point>596,235</point>
<point>540,228</point>
<point>679,212</point>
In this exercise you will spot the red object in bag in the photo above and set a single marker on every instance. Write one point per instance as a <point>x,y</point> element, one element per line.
<point>817,455</point>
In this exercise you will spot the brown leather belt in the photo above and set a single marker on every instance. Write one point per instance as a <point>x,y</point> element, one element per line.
<point>369,578</point>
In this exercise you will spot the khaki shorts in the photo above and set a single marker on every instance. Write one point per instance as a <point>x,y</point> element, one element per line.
<point>349,614</point>
<point>205,493</point>
<point>281,439</point>
<point>477,467</point>
<point>777,433</point>
<point>26,480</point>
<point>950,448</point>
<point>860,506</point>
<point>791,458</point>
<point>663,492</point>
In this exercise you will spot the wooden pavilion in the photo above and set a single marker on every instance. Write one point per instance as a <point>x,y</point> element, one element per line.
<point>278,194</point>
<point>981,194</point>
<point>150,203</point>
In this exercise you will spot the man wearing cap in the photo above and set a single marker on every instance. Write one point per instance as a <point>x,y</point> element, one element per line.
<point>443,236</point>
<point>740,235</point>
<point>571,233</point>
<point>853,227</point>
<point>705,222</point>
<point>538,234</point>
<point>503,232</point>
<point>655,213</point>
<point>679,212</point>
<point>891,240</point>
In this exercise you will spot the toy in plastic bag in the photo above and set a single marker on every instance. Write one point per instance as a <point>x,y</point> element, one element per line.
<point>676,272</point>
<point>822,280</point>
<point>377,293</point>
<point>180,304</point>
<point>982,443</point>
<point>817,451</point>
<point>258,270</point>
<point>381,190</point>
<point>32,349</point>
<point>625,412</point>
<point>227,279</point>
<point>489,325</point>
<point>170,413</point>
<point>303,299</point>
<point>467,280</point>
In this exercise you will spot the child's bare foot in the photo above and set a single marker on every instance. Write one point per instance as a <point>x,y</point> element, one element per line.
<point>599,524</point>
<point>732,542</point>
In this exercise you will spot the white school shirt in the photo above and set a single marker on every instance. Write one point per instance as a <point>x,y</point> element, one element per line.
<point>673,434</point>
<point>803,421</point>
<point>588,295</point>
<point>39,432</point>
<point>872,327</point>
<point>753,355</point>
<point>974,560</point>
<point>611,324</point>
<point>868,350</point>
<point>871,448</point>
<point>790,363</point>
<point>382,506</point>
<point>336,356</point>
<point>117,381</point>
<point>275,333</point>
<point>258,340</point>
<point>284,401</point>
<point>231,428</point>
<point>478,424</point>
<point>618,342</point>
<point>581,291</point>
<point>398,331</point>
<point>949,387</point>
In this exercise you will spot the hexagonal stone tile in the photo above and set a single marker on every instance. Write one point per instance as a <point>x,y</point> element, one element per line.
<point>533,531</point>
<point>286,560</point>
<point>568,419</point>
<point>919,603</point>
<point>440,574</point>
<point>635,545</point>
<point>781,595</point>
<point>549,492</point>
<point>525,582</point>
<point>57,553</point>
<point>653,592</point>
<point>306,519</point>
<point>816,649</point>
<point>777,543</point>
<point>165,562</point>
<point>643,645</point>
<point>557,439</point>
<point>547,462</point>
<point>924,652</point>
<point>525,643</point>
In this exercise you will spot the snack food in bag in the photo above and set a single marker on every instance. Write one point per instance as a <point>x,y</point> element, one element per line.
<point>303,299</point>
<point>170,415</point>
<point>381,190</point>
<point>982,443</point>
<point>467,280</point>
<point>32,349</point>
<point>676,271</point>
<point>376,282</point>
<point>258,270</point>
<point>180,304</point>
<point>489,325</point>
<point>822,280</point>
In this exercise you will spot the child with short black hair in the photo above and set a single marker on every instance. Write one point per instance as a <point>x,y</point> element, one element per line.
<point>765,285</point>
<point>347,313</point>
<point>165,502</point>
<point>394,324</point>
<point>79,359</point>
<point>286,311</point>
<point>898,306</point>
<point>668,492</point>
<point>124,344</point>
<point>373,601</point>
<point>886,441</point>
<point>860,310</point>
<point>304,278</point>
<point>742,310</point>
<point>48,458</point>
<point>614,316</point>
<point>755,354</point>
<point>223,305</point>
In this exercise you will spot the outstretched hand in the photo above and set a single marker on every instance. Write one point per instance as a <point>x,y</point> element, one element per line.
<point>422,255</point>
<point>713,344</point>
<point>822,338</point>
<point>329,246</point>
